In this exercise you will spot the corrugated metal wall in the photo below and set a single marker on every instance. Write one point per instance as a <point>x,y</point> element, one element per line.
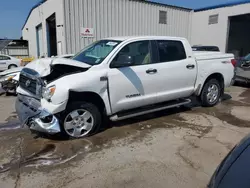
<point>120,18</point>
<point>16,51</point>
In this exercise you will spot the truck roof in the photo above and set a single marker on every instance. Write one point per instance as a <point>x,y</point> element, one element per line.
<point>124,38</point>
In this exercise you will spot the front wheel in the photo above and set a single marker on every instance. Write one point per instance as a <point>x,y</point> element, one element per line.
<point>81,120</point>
<point>211,93</point>
<point>12,67</point>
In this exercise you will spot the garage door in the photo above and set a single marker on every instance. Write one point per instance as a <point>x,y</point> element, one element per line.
<point>39,33</point>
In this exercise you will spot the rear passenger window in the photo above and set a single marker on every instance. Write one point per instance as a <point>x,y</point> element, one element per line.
<point>171,51</point>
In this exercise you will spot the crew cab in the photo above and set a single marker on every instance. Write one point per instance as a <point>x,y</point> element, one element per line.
<point>119,78</point>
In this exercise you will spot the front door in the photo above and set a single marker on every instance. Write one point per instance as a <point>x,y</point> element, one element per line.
<point>4,62</point>
<point>176,71</point>
<point>132,86</point>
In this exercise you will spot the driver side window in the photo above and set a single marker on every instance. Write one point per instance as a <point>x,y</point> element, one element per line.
<point>138,52</point>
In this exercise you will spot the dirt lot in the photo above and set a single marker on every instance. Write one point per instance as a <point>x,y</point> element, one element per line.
<point>175,148</point>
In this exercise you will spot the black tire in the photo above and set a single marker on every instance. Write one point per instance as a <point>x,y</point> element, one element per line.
<point>203,97</point>
<point>85,106</point>
<point>12,66</point>
<point>12,92</point>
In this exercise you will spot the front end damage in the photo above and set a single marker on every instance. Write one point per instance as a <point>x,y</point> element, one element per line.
<point>31,113</point>
<point>28,104</point>
<point>33,83</point>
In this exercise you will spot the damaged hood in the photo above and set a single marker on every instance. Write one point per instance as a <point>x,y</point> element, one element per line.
<point>43,66</point>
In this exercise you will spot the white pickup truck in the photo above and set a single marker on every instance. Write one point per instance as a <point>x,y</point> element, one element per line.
<point>119,78</point>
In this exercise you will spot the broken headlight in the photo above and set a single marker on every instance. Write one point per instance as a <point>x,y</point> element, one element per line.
<point>48,92</point>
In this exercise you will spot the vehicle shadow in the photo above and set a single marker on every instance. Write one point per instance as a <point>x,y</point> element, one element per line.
<point>6,94</point>
<point>109,124</point>
<point>226,97</point>
<point>194,104</point>
<point>242,84</point>
<point>147,117</point>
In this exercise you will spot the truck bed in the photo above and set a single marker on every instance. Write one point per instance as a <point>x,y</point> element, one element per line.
<point>209,63</point>
<point>212,55</point>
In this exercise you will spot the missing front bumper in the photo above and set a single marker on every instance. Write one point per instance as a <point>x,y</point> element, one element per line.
<point>31,114</point>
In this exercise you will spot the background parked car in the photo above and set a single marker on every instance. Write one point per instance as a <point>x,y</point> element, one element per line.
<point>8,62</point>
<point>243,69</point>
<point>234,170</point>
<point>245,58</point>
<point>205,48</point>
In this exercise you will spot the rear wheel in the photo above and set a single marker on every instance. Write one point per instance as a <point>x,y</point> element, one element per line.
<point>81,120</point>
<point>211,93</point>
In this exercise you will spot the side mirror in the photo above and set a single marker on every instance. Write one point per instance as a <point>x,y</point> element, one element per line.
<point>123,61</point>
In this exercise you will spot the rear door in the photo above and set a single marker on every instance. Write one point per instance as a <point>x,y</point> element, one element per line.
<point>176,70</point>
<point>4,61</point>
<point>133,86</point>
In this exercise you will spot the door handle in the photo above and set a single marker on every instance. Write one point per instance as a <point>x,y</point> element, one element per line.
<point>190,66</point>
<point>151,71</point>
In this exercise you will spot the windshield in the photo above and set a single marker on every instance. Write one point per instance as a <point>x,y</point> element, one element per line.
<point>96,52</point>
<point>247,57</point>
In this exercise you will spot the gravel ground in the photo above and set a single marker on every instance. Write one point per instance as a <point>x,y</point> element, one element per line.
<point>180,147</point>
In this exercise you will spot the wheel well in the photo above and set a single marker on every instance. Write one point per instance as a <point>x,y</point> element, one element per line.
<point>11,65</point>
<point>218,77</point>
<point>90,97</point>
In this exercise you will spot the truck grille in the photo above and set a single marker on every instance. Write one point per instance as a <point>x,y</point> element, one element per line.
<point>31,81</point>
<point>28,84</point>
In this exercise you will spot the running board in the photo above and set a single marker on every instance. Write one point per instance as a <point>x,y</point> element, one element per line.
<point>139,112</point>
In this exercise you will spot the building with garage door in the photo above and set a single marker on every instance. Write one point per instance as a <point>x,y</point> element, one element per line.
<point>56,27</point>
<point>226,26</point>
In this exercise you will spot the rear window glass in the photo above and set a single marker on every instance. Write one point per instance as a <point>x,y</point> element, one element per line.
<point>206,48</point>
<point>171,50</point>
